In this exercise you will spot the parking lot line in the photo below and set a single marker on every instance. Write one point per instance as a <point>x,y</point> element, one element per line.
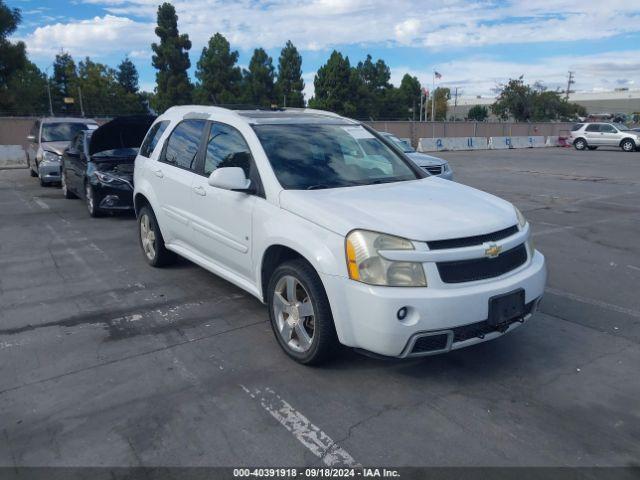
<point>308,434</point>
<point>40,203</point>
<point>594,302</point>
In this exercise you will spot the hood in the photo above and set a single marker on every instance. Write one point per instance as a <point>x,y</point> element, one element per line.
<point>426,209</point>
<point>424,160</point>
<point>121,132</point>
<point>55,147</point>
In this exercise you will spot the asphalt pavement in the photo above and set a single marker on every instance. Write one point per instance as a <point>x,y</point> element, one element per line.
<point>105,361</point>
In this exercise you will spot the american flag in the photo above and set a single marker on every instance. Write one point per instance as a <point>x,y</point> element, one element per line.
<point>437,75</point>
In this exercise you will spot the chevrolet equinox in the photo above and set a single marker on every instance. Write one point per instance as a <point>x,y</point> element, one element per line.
<point>343,237</point>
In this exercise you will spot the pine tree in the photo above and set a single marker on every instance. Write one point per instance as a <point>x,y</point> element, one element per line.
<point>258,81</point>
<point>127,76</point>
<point>64,83</point>
<point>171,59</point>
<point>336,86</point>
<point>12,55</point>
<point>219,76</point>
<point>289,85</point>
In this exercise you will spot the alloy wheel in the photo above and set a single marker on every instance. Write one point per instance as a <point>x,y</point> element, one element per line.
<point>294,314</point>
<point>628,146</point>
<point>148,237</point>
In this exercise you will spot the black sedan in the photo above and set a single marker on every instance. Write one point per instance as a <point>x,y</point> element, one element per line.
<point>98,164</point>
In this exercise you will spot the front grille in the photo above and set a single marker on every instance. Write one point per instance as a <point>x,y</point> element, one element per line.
<point>475,240</point>
<point>434,170</point>
<point>430,343</point>
<point>480,329</point>
<point>482,268</point>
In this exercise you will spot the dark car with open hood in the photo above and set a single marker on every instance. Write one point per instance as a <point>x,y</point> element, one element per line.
<point>98,164</point>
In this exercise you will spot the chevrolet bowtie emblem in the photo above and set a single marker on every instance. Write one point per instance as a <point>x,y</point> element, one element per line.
<point>492,251</point>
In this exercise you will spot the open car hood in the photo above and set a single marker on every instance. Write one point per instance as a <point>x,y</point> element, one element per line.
<point>121,132</point>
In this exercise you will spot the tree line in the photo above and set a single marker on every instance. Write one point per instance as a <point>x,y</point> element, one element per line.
<point>361,90</point>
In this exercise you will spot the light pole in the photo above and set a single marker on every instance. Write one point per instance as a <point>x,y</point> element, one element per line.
<point>46,72</point>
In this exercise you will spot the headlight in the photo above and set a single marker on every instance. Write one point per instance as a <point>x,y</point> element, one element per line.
<point>445,167</point>
<point>367,266</point>
<point>107,177</point>
<point>50,157</point>
<point>521,220</point>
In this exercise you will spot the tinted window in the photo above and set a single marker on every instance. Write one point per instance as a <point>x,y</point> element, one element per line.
<point>594,127</point>
<point>226,148</point>
<point>577,127</point>
<point>152,138</point>
<point>330,156</point>
<point>76,144</point>
<point>607,129</point>
<point>183,143</point>
<point>61,132</point>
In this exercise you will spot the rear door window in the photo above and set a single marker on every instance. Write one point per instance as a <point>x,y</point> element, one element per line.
<point>576,127</point>
<point>183,144</point>
<point>152,138</point>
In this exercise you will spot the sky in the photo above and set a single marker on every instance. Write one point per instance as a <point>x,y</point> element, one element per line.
<point>474,45</point>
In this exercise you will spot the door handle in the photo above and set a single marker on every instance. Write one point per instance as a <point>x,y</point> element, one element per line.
<point>158,173</point>
<point>200,191</point>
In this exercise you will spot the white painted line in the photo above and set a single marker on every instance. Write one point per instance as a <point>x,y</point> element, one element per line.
<point>591,301</point>
<point>40,203</point>
<point>309,435</point>
<point>633,267</point>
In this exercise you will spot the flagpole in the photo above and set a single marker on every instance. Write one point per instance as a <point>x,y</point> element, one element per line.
<point>433,107</point>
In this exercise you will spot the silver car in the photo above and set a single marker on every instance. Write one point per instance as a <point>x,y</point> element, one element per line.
<point>593,135</point>
<point>47,140</point>
<point>433,165</point>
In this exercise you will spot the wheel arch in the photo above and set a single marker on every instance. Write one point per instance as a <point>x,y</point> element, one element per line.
<point>627,138</point>
<point>274,256</point>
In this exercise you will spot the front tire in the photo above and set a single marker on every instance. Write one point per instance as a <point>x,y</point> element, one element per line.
<point>151,240</point>
<point>628,145</point>
<point>65,189</point>
<point>300,313</point>
<point>580,144</point>
<point>32,172</point>
<point>90,199</point>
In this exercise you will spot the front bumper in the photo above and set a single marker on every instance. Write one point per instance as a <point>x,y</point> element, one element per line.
<point>113,197</point>
<point>366,316</point>
<point>49,172</point>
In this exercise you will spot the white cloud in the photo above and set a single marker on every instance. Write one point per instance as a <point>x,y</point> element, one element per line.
<point>479,75</point>
<point>93,37</point>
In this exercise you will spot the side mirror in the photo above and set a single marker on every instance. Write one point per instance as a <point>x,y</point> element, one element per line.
<point>31,138</point>
<point>230,178</point>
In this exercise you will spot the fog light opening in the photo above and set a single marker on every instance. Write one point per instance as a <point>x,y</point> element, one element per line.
<point>402,313</point>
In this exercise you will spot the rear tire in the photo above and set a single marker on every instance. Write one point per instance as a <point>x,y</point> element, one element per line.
<point>580,144</point>
<point>592,148</point>
<point>151,240</point>
<point>628,145</point>
<point>300,313</point>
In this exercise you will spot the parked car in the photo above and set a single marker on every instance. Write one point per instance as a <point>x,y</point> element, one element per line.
<point>343,245</point>
<point>47,140</point>
<point>593,135</point>
<point>433,165</point>
<point>98,164</point>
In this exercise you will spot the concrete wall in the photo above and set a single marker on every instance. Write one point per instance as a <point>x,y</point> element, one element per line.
<point>417,130</point>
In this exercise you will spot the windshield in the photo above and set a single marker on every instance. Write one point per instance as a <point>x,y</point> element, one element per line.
<point>330,156</point>
<point>622,127</point>
<point>401,144</point>
<point>62,132</point>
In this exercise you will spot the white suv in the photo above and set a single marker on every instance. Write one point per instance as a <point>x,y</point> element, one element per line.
<point>593,135</point>
<point>344,238</point>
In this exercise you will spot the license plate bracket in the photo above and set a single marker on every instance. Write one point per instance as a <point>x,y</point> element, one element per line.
<point>506,307</point>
